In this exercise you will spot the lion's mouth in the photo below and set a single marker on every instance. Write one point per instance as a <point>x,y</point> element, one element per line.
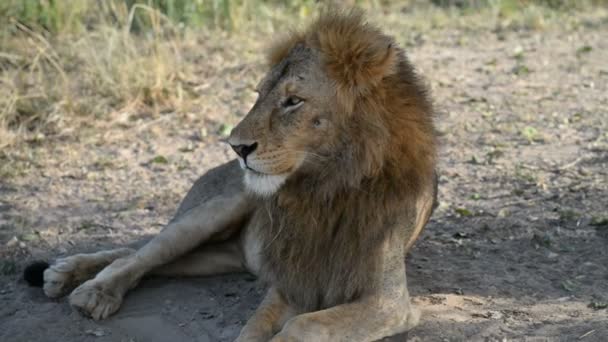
<point>255,172</point>
<point>249,169</point>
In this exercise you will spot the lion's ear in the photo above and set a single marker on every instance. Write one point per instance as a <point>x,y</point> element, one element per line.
<point>356,55</point>
<point>280,47</point>
<point>363,65</point>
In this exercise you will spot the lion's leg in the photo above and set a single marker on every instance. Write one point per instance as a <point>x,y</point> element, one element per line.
<point>367,320</point>
<point>67,273</point>
<point>218,258</point>
<point>267,320</point>
<point>102,295</point>
<point>424,209</point>
<point>384,312</point>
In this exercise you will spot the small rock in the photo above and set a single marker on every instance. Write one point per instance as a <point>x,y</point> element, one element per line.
<point>12,242</point>
<point>503,213</point>
<point>460,235</point>
<point>489,315</point>
<point>96,332</point>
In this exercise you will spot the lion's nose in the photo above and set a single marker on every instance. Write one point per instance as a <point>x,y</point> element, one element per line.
<point>244,150</point>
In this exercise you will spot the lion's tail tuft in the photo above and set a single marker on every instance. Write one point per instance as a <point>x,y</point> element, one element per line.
<point>34,273</point>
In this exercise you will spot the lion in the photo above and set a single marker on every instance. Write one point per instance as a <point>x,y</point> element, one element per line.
<point>333,181</point>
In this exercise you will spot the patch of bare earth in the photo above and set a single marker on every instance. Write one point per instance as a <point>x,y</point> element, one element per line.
<point>516,251</point>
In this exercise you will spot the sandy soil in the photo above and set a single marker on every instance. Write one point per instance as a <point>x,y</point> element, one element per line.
<point>516,250</point>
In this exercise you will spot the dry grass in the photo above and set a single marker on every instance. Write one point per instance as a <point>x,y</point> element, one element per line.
<point>63,66</point>
<point>55,77</point>
<point>48,83</point>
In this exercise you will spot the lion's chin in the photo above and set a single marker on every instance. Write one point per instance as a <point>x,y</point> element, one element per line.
<point>263,184</point>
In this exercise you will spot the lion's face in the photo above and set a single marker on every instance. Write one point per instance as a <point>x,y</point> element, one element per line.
<point>290,127</point>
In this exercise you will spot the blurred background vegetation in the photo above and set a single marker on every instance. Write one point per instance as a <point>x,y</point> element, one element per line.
<point>60,16</point>
<point>66,61</point>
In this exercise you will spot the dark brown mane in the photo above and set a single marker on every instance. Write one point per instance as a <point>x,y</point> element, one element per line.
<point>325,230</point>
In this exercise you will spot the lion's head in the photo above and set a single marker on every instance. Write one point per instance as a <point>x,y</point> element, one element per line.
<point>340,103</point>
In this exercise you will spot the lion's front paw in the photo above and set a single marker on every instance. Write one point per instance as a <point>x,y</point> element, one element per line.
<point>94,301</point>
<point>250,339</point>
<point>301,329</point>
<point>60,278</point>
<point>247,336</point>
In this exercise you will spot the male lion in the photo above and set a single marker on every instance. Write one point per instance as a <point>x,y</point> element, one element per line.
<point>334,182</point>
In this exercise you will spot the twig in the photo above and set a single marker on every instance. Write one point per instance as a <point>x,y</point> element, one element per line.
<point>571,164</point>
<point>145,125</point>
<point>586,334</point>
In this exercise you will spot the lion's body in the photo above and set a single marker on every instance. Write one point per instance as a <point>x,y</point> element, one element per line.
<point>334,185</point>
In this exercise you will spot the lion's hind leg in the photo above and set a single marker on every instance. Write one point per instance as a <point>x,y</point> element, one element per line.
<point>211,259</point>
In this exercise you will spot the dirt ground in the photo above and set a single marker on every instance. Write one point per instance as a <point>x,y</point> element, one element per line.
<point>515,252</point>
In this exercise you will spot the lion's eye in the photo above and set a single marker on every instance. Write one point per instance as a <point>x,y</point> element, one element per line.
<point>292,101</point>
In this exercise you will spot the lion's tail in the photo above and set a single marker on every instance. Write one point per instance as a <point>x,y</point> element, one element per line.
<point>33,274</point>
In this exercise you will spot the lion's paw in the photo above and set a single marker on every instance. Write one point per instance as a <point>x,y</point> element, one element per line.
<point>60,278</point>
<point>92,300</point>
<point>285,338</point>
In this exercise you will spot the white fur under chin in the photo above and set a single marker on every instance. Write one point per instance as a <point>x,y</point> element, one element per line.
<point>264,185</point>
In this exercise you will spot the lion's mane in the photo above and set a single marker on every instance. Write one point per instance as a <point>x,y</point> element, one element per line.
<point>326,231</point>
